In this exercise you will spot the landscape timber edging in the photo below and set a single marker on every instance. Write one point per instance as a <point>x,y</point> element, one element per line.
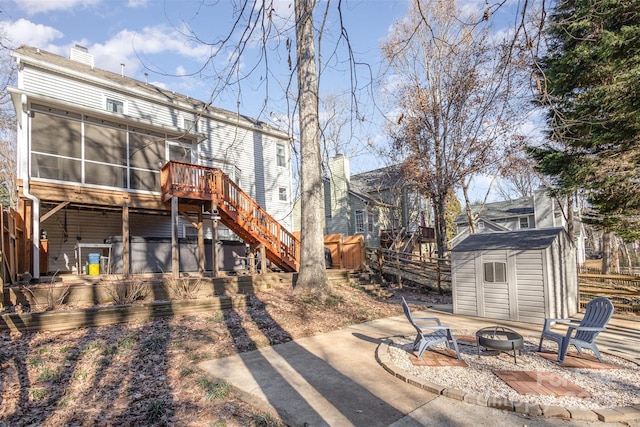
<point>65,320</point>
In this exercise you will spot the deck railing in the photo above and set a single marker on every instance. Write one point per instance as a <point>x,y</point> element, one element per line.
<point>238,210</point>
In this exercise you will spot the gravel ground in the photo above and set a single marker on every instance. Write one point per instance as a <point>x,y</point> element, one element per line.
<point>608,387</point>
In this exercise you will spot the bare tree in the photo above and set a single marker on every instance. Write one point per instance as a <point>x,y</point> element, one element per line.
<point>454,94</point>
<point>518,176</point>
<point>313,276</point>
<point>337,130</point>
<point>8,195</point>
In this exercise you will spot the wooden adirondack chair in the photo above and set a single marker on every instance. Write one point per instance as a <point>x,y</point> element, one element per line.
<point>431,334</point>
<point>597,315</point>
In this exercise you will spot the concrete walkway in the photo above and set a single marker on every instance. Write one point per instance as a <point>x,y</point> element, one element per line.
<point>334,379</point>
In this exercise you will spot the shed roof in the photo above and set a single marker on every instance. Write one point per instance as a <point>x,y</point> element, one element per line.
<point>520,239</point>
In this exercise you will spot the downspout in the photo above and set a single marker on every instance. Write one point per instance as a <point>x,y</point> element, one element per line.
<point>25,167</point>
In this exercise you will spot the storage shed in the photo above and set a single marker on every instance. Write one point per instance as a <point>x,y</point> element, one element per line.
<point>524,275</point>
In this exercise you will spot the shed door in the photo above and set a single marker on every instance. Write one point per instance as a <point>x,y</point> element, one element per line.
<point>493,285</point>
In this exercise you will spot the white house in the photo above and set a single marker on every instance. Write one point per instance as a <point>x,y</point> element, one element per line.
<point>91,146</point>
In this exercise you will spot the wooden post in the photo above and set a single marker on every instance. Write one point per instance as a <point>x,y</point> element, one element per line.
<point>200,243</point>
<point>214,246</point>
<point>252,260</point>
<point>1,281</point>
<point>126,249</point>
<point>399,273</point>
<point>175,248</point>
<point>438,276</point>
<point>263,259</point>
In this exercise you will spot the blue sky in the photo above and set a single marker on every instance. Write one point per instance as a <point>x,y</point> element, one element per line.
<point>157,37</point>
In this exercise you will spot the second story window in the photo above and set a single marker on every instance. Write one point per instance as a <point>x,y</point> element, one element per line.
<point>282,194</point>
<point>189,125</point>
<point>524,222</point>
<point>360,222</point>
<point>115,106</point>
<point>280,155</point>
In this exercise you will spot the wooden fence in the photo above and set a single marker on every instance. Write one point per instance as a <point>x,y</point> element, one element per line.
<point>622,290</point>
<point>425,273</point>
<point>347,252</point>
<point>433,274</point>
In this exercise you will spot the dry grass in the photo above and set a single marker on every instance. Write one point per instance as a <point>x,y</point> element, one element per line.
<point>145,373</point>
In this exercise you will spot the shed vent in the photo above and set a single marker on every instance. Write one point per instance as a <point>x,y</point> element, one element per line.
<point>81,54</point>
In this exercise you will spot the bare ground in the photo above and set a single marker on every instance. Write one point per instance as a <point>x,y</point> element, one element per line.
<point>145,373</point>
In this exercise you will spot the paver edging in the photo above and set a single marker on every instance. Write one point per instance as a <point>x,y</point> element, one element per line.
<point>626,413</point>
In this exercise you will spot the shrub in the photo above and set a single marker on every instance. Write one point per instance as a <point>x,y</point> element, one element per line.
<point>183,288</point>
<point>127,290</point>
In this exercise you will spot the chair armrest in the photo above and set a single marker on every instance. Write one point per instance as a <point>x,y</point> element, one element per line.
<point>589,328</point>
<point>427,319</point>
<point>436,327</point>
<point>548,322</point>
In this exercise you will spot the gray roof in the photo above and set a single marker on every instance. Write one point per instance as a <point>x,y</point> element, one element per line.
<point>521,239</point>
<point>377,180</point>
<point>506,209</point>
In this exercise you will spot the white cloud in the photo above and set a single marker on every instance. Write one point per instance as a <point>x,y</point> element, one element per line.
<point>22,32</point>
<point>137,3</point>
<point>32,7</point>
<point>128,46</point>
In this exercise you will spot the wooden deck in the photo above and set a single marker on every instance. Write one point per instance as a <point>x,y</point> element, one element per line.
<point>200,185</point>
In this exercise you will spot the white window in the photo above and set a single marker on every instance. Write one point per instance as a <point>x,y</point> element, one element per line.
<point>282,194</point>
<point>189,125</point>
<point>524,222</point>
<point>280,155</point>
<point>359,221</point>
<point>495,272</point>
<point>178,152</point>
<point>371,221</point>
<point>115,106</point>
<point>190,231</point>
<point>480,225</point>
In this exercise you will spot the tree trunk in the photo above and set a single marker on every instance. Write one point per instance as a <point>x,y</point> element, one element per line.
<point>606,252</point>
<point>312,276</point>
<point>440,220</point>
<point>615,254</point>
<point>470,217</point>
<point>570,227</point>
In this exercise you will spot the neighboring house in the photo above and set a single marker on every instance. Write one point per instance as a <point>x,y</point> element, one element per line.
<point>537,211</point>
<point>91,145</point>
<point>370,202</point>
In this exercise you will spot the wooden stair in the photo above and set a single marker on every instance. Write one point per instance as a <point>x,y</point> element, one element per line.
<point>236,209</point>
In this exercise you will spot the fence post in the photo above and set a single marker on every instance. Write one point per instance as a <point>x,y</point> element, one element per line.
<point>438,276</point>
<point>399,274</point>
<point>1,280</point>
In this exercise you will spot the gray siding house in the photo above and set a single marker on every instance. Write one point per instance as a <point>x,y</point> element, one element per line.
<point>369,202</point>
<point>535,212</point>
<point>525,275</point>
<point>91,145</point>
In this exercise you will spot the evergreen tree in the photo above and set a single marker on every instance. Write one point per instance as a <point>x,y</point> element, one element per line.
<point>590,81</point>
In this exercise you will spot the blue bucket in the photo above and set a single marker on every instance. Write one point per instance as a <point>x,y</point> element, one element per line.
<point>94,258</point>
